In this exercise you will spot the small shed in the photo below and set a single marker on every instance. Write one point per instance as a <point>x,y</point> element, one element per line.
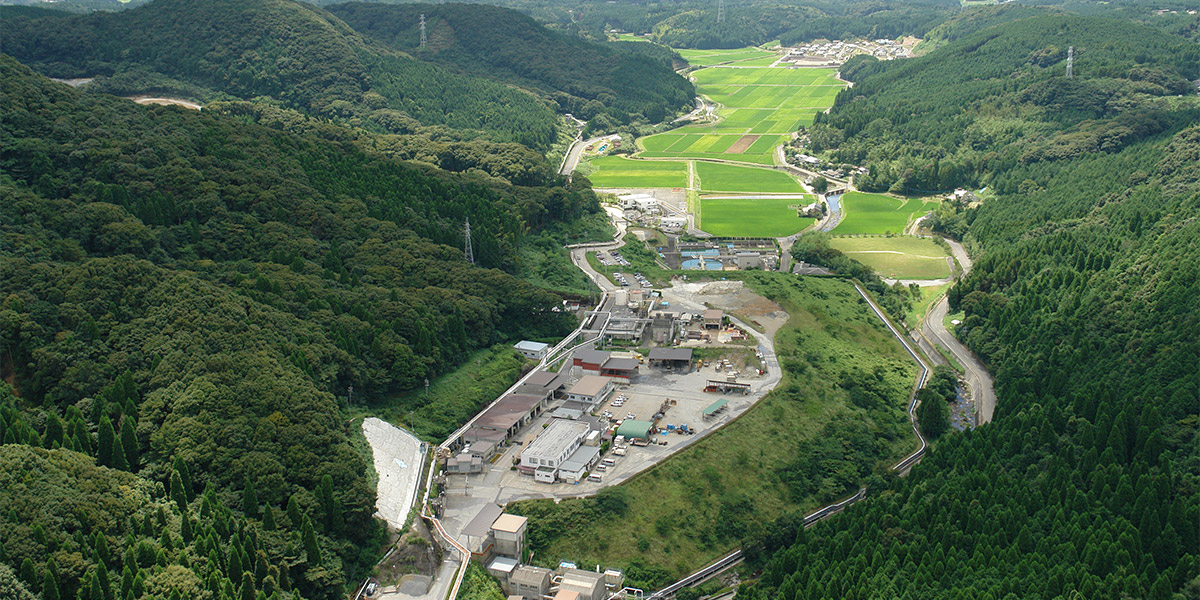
<point>502,567</point>
<point>634,429</point>
<point>533,350</point>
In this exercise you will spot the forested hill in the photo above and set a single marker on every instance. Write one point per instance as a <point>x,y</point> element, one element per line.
<point>995,100</point>
<point>286,50</point>
<point>214,287</point>
<point>586,79</point>
<point>1082,302</point>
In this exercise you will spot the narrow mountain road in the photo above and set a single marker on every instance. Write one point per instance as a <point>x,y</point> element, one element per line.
<point>575,152</point>
<point>933,329</point>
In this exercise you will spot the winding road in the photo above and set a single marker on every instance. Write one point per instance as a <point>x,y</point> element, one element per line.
<point>933,330</point>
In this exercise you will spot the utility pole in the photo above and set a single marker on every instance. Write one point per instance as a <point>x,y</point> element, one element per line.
<point>1071,62</point>
<point>423,39</point>
<point>467,244</point>
<point>720,11</point>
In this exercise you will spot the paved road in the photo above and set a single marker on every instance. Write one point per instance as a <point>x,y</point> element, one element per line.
<point>933,329</point>
<point>571,160</point>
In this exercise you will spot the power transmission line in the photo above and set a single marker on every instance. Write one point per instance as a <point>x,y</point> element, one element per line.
<point>423,40</point>
<point>470,254</point>
<point>720,11</point>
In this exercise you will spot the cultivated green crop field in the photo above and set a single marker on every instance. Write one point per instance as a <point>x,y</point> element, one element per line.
<point>720,177</point>
<point>900,257</point>
<point>621,172</point>
<point>878,214</point>
<point>761,107</point>
<point>740,56</point>
<point>744,217</point>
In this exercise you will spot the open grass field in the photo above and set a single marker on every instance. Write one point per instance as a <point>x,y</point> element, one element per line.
<point>761,107</point>
<point>621,172</point>
<point>629,37</point>
<point>720,177</point>
<point>901,257</point>
<point>879,214</point>
<point>746,217</point>
<point>786,455</point>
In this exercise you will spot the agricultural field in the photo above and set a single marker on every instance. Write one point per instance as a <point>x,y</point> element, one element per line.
<point>621,172</point>
<point>704,58</point>
<point>747,217</point>
<point>761,107</point>
<point>721,177</point>
<point>901,257</point>
<point>877,214</point>
<point>809,441</point>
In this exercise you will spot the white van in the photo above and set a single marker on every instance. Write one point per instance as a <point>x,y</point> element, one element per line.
<point>595,478</point>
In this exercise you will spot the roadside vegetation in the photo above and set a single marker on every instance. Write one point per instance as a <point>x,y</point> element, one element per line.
<point>835,417</point>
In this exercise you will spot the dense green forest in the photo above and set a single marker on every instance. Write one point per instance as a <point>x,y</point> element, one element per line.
<point>1082,303</point>
<point>206,290</point>
<point>589,80</point>
<point>991,104</point>
<point>285,50</point>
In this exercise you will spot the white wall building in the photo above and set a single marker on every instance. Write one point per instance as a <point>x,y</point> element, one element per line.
<point>533,350</point>
<point>554,445</point>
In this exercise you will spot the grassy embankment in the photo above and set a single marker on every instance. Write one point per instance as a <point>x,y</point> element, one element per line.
<point>837,414</point>
<point>453,398</point>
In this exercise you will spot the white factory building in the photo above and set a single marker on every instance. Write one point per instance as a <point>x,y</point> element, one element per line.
<point>553,446</point>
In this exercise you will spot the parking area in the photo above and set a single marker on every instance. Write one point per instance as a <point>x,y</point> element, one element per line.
<point>681,399</point>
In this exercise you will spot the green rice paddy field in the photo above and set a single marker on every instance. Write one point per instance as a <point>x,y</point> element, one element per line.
<point>900,257</point>
<point>621,172</point>
<point>879,214</point>
<point>743,217</point>
<point>720,177</point>
<point>740,56</point>
<point>761,108</point>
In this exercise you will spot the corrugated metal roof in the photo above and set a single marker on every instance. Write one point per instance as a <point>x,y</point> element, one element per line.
<point>671,354</point>
<point>631,428</point>
<point>590,385</point>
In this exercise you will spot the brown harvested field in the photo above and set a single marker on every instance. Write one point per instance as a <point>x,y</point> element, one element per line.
<point>740,146</point>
